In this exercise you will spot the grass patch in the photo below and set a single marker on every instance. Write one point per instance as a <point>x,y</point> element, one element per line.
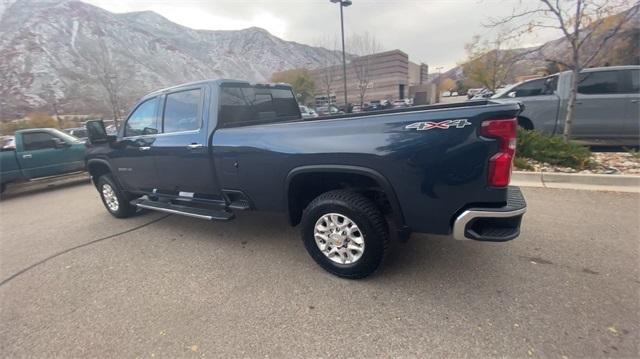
<point>551,149</point>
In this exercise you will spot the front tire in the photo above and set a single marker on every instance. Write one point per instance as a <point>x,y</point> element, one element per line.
<point>345,233</point>
<point>113,198</point>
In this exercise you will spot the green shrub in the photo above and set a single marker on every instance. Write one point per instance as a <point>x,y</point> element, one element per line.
<point>522,164</point>
<point>552,149</point>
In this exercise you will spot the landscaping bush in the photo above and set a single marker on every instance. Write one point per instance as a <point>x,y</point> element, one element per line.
<point>552,149</point>
<point>522,164</point>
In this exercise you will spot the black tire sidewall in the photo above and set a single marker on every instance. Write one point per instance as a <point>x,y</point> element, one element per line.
<point>124,208</point>
<point>374,241</point>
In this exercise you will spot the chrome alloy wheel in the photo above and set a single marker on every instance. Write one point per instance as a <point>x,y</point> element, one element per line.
<point>339,238</point>
<point>110,197</point>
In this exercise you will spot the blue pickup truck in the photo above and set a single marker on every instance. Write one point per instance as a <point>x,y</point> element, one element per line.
<point>38,153</point>
<point>352,181</point>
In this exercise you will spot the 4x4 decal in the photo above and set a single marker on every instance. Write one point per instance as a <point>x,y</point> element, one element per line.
<point>445,125</point>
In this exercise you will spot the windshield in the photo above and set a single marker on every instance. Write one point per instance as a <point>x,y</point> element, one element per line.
<point>536,87</point>
<point>66,137</point>
<point>79,133</point>
<point>504,91</point>
<point>7,142</point>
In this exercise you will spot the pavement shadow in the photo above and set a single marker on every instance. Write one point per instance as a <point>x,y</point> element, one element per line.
<point>30,189</point>
<point>429,259</point>
<point>427,256</point>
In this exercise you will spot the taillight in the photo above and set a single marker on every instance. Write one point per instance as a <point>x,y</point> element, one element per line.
<point>500,165</point>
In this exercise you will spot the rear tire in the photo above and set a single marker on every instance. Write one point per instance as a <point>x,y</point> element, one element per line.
<point>114,199</point>
<point>345,233</point>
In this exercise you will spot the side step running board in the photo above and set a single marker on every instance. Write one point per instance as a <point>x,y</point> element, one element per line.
<point>201,213</point>
<point>61,176</point>
<point>240,204</point>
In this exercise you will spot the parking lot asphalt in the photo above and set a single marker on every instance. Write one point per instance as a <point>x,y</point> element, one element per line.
<point>76,282</point>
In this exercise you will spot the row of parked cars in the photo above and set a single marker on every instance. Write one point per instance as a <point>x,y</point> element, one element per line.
<point>375,105</point>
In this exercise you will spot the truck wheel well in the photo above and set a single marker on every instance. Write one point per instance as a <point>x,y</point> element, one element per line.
<point>98,169</point>
<point>305,187</point>
<point>525,123</point>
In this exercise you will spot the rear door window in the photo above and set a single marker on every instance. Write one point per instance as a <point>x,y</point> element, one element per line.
<point>599,83</point>
<point>182,111</point>
<point>143,119</point>
<point>245,105</point>
<point>38,141</point>
<point>633,81</point>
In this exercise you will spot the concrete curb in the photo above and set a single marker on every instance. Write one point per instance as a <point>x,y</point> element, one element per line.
<point>591,182</point>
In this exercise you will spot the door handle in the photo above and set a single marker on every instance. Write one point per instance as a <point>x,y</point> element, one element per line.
<point>194,146</point>
<point>144,148</point>
<point>635,101</point>
<point>578,102</point>
<point>27,156</point>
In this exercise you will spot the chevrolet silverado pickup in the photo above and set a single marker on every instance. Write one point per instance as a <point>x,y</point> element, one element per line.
<point>607,104</point>
<point>38,153</point>
<point>352,181</point>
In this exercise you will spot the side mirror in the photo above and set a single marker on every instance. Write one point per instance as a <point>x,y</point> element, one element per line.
<point>96,133</point>
<point>149,131</point>
<point>512,94</point>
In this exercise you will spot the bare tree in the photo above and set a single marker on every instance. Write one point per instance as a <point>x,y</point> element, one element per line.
<point>363,45</point>
<point>490,63</point>
<point>329,69</point>
<point>584,24</point>
<point>52,98</point>
<point>112,78</point>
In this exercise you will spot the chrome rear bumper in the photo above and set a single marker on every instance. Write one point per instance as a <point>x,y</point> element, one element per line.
<point>492,224</point>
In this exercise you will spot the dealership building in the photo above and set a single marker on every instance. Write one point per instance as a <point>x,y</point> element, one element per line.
<point>387,75</point>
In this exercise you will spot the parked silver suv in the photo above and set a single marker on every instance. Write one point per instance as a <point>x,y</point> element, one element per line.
<point>607,108</point>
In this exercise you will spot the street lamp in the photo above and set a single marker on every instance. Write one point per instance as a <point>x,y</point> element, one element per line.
<point>438,80</point>
<point>343,3</point>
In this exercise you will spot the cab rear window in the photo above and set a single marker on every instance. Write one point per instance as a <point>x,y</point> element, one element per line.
<point>242,105</point>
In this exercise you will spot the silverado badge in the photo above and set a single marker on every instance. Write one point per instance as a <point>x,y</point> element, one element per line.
<point>445,125</point>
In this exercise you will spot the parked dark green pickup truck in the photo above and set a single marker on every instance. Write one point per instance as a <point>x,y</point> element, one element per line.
<point>40,152</point>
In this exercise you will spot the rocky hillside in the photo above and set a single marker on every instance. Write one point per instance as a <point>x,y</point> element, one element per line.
<point>53,52</point>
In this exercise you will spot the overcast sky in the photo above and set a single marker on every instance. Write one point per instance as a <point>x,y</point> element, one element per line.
<point>430,31</point>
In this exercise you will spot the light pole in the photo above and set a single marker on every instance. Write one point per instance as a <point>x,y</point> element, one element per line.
<point>343,3</point>
<point>439,69</point>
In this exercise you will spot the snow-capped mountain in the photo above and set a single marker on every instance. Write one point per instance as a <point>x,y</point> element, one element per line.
<point>51,52</point>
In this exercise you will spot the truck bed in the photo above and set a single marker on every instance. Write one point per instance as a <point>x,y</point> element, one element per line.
<point>437,106</point>
<point>434,173</point>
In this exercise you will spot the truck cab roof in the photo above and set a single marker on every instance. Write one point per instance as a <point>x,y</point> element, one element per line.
<point>216,83</point>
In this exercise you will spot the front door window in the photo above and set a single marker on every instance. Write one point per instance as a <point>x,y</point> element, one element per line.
<point>143,120</point>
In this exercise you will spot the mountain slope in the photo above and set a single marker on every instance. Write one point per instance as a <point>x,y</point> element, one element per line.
<point>50,52</point>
